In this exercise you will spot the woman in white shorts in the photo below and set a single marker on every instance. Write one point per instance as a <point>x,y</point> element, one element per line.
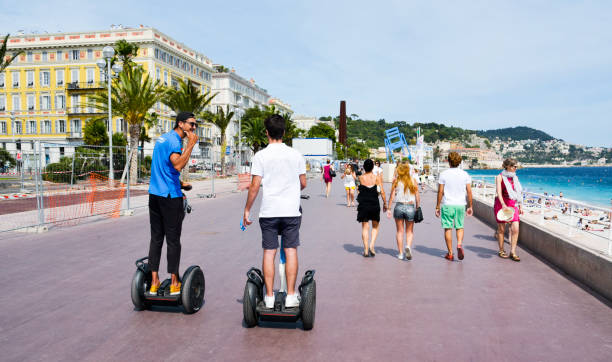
<point>349,185</point>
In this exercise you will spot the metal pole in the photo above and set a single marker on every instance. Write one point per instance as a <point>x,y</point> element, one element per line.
<point>239,144</point>
<point>72,172</point>
<point>21,171</point>
<point>128,179</point>
<point>110,120</point>
<point>41,215</point>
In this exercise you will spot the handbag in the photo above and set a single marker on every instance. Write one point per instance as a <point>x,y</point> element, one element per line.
<point>332,173</point>
<point>418,215</point>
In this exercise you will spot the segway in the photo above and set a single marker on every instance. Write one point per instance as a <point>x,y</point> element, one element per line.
<point>255,310</point>
<point>192,289</point>
<point>193,284</point>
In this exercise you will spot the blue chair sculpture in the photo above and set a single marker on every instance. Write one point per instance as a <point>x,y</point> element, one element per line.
<point>394,140</point>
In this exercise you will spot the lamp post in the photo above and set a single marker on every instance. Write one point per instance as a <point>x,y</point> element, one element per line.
<point>105,68</point>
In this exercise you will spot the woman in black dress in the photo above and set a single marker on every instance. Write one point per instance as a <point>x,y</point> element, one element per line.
<point>369,207</point>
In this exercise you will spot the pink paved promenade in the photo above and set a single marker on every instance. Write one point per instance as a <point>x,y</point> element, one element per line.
<point>66,295</point>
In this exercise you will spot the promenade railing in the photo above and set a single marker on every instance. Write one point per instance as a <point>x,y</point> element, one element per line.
<point>579,218</point>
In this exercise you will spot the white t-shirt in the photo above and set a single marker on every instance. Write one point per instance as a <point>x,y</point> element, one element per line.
<point>377,170</point>
<point>454,181</point>
<point>280,167</point>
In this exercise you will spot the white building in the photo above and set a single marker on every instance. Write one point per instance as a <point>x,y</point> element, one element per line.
<point>239,94</point>
<point>282,107</point>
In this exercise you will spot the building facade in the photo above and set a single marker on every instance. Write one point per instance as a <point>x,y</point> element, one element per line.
<point>238,94</point>
<point>44,93</point>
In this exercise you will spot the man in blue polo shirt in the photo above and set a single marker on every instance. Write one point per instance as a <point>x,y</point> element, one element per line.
<point>166,198</point>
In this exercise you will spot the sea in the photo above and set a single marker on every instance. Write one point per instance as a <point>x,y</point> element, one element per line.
<point>592,185</point>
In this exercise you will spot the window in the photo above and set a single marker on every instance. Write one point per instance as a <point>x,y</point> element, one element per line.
<point>30,77</point>
<point>59,76</point>
<point>2,103</point>
<point>16,79</point>
<point>74,103</point>
<point>74,75</point>
<point>2,127</point>
<point>30,101</point>
<point>76,126</point>
<point>1,80</point>
<point>16,102</point>
<point>46,126</point>
<point>17,127</point>
<point>31,127</point>
<point>60,101</point>
<point>120,125</point>
<point>74,54</point>
<point>89,53</point>
<point>60,126</point>
<point>157,76</point>
<point>59,55</point>
<point>165,77</point>
<point>45,102</point>
<point>90,75</point>
<point>29,57</point>
<point>44,56</point>
<point>45,78</point>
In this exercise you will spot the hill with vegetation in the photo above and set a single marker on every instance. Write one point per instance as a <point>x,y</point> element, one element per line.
<point>516,134</point>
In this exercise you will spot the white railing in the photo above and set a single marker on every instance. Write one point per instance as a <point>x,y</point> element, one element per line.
<point>579,217</point>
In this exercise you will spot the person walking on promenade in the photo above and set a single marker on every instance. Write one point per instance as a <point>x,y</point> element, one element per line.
<point>349,185</point>
<point>509,195</point>
<point>406,203</point>
<point>369,207</point>
<point>377,169</point>
<point>166,211</point>
<point>454,185</point>
<point>282,170</point>
<point>327,177</point>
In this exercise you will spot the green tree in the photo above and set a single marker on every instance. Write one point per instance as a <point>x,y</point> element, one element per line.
<point>132,95</point>
<point>149,122</point>
<point>186,97</point>
<point>6,159</point>
<point>291,130</point>
<point>124,52</point>
<point>95,133</point>
<point>253,130</point>
<point>4,60</point>
<point>321,130</point>
<point>222,119</point>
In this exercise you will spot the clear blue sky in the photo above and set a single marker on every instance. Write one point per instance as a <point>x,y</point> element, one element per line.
<point>474,64</point>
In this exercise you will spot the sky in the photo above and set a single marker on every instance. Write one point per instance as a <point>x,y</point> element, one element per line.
<point>472,64</point>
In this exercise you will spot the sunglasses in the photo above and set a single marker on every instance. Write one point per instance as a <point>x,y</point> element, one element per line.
<point>192,124</point>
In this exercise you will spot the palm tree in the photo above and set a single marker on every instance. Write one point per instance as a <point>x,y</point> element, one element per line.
<point>186,97</point>
<point>132,95</point>
<point>221,119</point>
<point>254,132</point>
<point>4,60</point>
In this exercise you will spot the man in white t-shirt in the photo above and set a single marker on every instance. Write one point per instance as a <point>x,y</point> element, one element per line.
<point>454,185</point>
<point>282,172</point>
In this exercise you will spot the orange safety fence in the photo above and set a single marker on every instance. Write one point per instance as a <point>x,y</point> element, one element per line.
<point>99,196</point>
<point>244,181</point>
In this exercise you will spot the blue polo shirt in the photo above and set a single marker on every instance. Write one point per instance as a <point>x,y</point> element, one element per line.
<point>164,177</point>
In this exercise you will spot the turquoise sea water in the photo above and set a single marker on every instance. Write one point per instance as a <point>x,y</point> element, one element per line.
<point>589,184</point>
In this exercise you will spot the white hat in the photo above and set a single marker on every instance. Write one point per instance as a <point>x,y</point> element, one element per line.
<point>505,214</point>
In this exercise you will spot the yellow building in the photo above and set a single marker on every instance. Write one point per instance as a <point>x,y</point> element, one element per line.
<point>44,92</point>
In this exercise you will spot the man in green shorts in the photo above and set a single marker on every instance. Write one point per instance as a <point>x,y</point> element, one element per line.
<point>453,186</point>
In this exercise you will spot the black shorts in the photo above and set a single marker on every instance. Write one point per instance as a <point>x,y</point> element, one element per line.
<point>287,227</point>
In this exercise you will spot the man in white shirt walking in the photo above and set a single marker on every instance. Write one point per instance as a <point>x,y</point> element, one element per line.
<point>282,172</point>
<point>454,185</point>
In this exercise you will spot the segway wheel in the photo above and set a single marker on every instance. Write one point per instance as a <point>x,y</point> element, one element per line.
<point>192,290</point>
<point>138,289</point>
<point>309,304</point>
<point>249,304</point>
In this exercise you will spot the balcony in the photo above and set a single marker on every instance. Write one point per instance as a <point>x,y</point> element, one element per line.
<point>83,111</point>
<point>76,86</point>
<point>74,135</point>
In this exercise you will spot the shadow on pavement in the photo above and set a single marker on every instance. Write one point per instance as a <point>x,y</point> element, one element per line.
<point>356,249</point>
<point>482,252</point>
<point>387,251</point>
<point>430,251</point>
<point>485,237</point>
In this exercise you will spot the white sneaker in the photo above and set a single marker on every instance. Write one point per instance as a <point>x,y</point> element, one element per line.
<point>269,301</point>
<point>400,256</point>
<point>292,300</point>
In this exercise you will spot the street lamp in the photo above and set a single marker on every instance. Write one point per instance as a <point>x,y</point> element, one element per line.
<point>105,68</point>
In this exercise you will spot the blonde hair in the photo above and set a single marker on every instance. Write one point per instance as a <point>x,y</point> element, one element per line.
<point>403,175</point>
<point>348,170</point>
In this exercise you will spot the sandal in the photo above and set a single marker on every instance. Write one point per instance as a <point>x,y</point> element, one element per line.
<point>365,255</point>
<point>372,253</point>
<point>514,257</point>
<point>502,254</point>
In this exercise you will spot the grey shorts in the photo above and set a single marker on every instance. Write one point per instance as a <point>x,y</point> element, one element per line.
<point>404,211</point>
<point>287,227</point>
